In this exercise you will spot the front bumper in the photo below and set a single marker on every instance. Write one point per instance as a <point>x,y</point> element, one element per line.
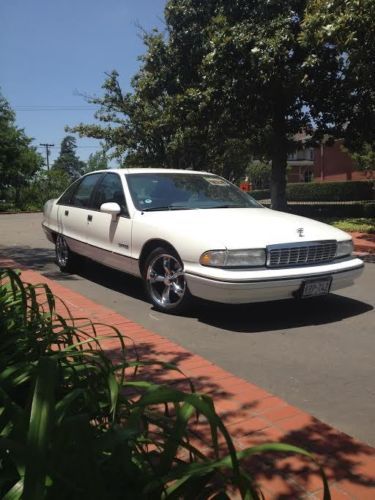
<point>271,285</point>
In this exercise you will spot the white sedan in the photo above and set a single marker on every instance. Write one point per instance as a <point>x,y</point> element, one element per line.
<point>188,233</point>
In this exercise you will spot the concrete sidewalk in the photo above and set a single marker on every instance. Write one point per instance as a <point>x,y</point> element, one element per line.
<point>252,415</point>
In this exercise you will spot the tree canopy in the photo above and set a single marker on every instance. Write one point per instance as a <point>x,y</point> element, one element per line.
<point>341,37</point>
<point>96,161</point>
<point>19,160</point>
<point>68,160</point>
<point>230,80</point>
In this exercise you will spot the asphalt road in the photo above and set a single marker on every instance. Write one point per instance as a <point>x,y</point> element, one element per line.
<point>318,355</point>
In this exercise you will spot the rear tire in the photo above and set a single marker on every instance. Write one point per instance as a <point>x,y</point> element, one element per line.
<point>165,281</point>
<point>65,258</point>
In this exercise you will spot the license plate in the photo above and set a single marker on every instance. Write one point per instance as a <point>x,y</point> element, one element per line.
<point>316,287</point>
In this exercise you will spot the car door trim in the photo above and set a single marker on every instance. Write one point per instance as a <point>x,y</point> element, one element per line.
<point>116,260</point>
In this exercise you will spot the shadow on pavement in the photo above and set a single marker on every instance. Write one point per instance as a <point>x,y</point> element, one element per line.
<point>33,258</point>
<point>282,315</point>
<point>346,462</point>
<point>251,318</point>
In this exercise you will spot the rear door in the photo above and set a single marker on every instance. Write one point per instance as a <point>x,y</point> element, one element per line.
<point>109,239</point>
<point>74,213</point>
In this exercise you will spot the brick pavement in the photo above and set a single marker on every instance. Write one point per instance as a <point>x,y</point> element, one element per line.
<point>252,415</point>
<point>364,242</point>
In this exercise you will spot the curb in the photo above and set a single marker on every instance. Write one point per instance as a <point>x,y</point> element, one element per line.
<point>252,415</point>
<point>22,212</point>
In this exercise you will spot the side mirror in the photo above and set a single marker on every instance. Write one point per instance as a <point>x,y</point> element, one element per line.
<point>111,208</point>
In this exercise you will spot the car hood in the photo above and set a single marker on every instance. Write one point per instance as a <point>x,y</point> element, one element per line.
<point>242,227</point>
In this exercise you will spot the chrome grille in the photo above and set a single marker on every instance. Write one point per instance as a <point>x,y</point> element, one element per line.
<point>301,254</point>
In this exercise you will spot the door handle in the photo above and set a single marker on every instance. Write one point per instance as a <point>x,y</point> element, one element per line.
<point>66,212</point>
<point>89,218</point>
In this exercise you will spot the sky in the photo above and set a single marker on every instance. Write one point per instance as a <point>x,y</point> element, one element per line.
<point>53,50</point>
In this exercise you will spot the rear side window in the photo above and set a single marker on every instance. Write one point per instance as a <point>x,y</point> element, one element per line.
<point>82,196</point>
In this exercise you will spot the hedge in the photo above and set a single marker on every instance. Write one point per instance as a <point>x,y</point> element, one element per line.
<point>324,191</point>
<point>339,210</point>
<point>260,194</point>
<point>331,191</point>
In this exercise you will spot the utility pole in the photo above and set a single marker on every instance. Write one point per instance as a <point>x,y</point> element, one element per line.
<point>47,146</point>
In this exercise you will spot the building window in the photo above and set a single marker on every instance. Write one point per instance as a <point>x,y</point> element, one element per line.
<point>308,175</point>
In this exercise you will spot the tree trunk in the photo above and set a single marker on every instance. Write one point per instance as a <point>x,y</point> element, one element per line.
<point>279,163</point>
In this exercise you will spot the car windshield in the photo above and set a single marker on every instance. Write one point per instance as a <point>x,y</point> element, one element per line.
<point>175,191</point>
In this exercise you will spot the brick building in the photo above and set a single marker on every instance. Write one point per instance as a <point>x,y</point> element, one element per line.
<point>323,163</point>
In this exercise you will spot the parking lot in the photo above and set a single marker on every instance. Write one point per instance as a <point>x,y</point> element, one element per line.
<point>317,354</point>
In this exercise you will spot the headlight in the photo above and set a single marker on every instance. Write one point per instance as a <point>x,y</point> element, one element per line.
<point>344,248</point>
<point>234,258</point>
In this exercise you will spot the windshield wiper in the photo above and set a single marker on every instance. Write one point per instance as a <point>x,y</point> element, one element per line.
<point>167,207</point>
<point>224,206</point>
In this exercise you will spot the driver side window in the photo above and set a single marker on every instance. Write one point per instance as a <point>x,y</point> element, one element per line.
<point>110,190</point>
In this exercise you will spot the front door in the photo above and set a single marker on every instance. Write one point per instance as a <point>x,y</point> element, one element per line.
<point>109,240</point>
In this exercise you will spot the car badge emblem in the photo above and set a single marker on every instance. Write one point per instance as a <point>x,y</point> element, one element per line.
<point>300,231</point>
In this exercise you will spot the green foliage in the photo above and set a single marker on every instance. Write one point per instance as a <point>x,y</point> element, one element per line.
<point>339,70</point>
<point>19,161</point>
<point>96,161</point>
<point>46,185</point>
<point>352,225</point>
<point>68,160</point>
<point>70,428</point>
<point>261,194</point>
<point>324,191</point>
<point>331,191</point>
<point>319,210</point>
<point>259,174</point>
<point>369,209</point>
<point>364,159</point>
<point>232,79</point>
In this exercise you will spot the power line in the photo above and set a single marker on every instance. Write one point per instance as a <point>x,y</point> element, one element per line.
<point>47,146</point>
<point>78,147</point>
<point>52,106</point>
<point>55,108</point>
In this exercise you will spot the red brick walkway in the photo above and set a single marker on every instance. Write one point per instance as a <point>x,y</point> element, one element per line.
<point>364,242</point>
<point>252,415</point>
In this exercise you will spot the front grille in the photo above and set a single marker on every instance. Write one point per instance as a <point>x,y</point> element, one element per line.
<point>301,254</point>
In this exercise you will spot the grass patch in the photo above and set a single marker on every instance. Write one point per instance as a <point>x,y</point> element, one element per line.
<point>360,224</point>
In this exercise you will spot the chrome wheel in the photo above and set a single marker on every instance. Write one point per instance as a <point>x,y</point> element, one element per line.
<point>165,281</point>
<point>65,258</point>
<point>62,251</point>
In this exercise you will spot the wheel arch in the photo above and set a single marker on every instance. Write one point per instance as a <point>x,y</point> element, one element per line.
<point>149,246</point>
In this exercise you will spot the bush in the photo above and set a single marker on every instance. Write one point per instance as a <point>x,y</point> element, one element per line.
<point>6,206</point>
<point>260,194</point>
<point>259,173</point>
<point>331,191</point>
<point>353,225</point>
<point>324,191</point>
<point>45,186</point>
<point>70,428</point>
<point>369,209</point>
<point>339,210</point>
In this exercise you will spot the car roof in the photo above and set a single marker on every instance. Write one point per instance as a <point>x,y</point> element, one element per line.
<point>137,170</point>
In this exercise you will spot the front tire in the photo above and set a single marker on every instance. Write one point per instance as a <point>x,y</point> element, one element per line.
<point>165,281</point>
<point>65,258</point>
